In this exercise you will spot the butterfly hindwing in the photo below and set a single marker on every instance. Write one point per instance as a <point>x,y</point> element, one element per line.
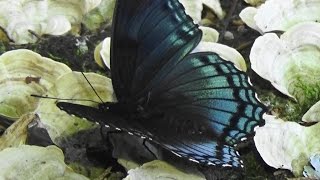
<point>203,100</point>
<point>209,93</point>
<point>206,152</point>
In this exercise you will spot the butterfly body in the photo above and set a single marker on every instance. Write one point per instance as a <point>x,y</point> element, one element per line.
<point>198,106</point>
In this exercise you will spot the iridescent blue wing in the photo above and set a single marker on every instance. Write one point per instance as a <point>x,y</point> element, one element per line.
<point>147,35</point>
<point>206,94</point>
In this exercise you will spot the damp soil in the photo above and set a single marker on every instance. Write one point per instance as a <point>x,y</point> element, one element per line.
<point>77,53</point>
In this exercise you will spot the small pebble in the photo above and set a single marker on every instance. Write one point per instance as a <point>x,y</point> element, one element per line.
<point>228,35</point>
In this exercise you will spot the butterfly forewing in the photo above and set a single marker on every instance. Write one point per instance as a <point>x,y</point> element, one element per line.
<point>151,35</point>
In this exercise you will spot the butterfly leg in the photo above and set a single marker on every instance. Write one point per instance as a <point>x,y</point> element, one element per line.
<point>105,136</point>
<point>103,152</point>
<point>148,149</point>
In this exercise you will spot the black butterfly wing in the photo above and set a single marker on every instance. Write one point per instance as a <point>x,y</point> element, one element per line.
<point>198,148</point>
<point>147,36</point>
<point>198,106</point>
<point>199,110</point>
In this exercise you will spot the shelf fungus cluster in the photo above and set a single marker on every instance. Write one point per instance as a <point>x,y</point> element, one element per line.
<point>194,8</point>
<point>25,73</point>
<point>102,14</point>
<point>255,2</point>
<point>34,162</point>
<point>313,114</point>
<point>24,20</point>
<point>287,145</point>
<point>292,62</point>
<point>158,170</point>
<point>288,55</point>
<point>274,15</point>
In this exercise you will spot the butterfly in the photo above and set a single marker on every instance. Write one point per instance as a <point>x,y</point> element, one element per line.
<point>196,105</point>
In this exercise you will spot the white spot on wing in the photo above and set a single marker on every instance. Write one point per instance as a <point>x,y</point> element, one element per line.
<point>193,160</point>
<point>118,129</point>
<point>176,154</point>
<point>243,139</point>
<point>250,81</point>
<point>226,165</point>
<point>256,95</point>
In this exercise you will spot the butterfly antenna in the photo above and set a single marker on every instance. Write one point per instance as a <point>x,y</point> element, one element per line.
<point>92,87</point>
<point>47,97</point>
<point>149,94</point>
